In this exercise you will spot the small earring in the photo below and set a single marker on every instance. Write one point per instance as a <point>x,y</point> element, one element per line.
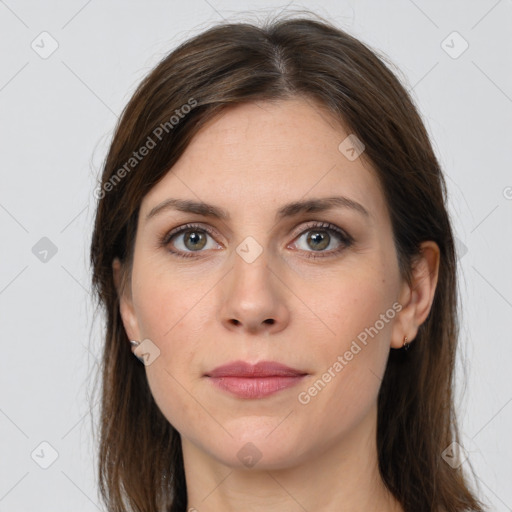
<point>406,343</point>
<point>135,344</point>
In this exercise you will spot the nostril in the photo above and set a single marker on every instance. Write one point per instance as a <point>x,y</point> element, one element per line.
<point>269,321</point>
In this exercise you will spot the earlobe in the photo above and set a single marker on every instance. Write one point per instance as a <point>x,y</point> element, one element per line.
<point>126,308</point>
<point>417,297</point>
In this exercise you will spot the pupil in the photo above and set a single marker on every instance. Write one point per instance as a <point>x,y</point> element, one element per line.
<point>195,238</point>
<point>320,240</point>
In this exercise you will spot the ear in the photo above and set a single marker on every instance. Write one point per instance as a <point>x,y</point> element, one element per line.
<point>126,308</point>
<point>416,298</point>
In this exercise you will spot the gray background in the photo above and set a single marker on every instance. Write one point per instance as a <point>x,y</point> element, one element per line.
<point>57,115</point>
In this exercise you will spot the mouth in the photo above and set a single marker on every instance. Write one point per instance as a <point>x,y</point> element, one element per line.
<point>246,380</point>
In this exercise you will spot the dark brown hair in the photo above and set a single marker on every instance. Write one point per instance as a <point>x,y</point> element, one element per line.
<point>140,457</point>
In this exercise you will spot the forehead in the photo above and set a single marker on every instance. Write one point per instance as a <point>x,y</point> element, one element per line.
<point>263,154</point>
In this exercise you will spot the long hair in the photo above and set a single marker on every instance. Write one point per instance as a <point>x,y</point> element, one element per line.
<point>140,463</point>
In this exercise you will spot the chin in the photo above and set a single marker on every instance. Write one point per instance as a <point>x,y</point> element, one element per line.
<point>258,451</point>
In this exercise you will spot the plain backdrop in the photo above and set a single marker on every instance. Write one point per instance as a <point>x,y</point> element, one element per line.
<point>67,71</point>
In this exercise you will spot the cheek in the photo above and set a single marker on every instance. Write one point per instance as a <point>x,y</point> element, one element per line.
<point>358,308</point>
<point>353,356</point>
<point>169,311</point>
<point>163,299</point>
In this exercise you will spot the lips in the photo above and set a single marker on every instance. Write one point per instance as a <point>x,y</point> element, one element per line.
<point>245,380</point>
<point>261,369</point>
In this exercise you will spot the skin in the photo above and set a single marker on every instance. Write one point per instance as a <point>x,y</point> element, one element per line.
<point>211,308</point>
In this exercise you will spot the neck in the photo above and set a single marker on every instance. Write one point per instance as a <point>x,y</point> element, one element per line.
<point>343,475</point>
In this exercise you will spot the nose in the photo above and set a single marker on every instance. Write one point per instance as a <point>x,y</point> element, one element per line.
<point>254,298</point>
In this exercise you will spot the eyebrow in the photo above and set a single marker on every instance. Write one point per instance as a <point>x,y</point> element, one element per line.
<point>288,210</point>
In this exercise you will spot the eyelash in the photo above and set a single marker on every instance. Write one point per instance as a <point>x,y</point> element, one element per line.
<point>346,240</point>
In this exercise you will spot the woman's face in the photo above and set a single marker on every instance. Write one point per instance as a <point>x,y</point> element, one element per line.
<point>317,289</point>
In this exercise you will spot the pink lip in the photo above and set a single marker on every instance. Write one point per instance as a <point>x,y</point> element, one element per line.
<point>261,369</point>
<point>254,381</point>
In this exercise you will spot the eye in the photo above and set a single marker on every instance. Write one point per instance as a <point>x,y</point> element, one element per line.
<point>189,239</point>
<point>186,240</point>
<point>321,236</point>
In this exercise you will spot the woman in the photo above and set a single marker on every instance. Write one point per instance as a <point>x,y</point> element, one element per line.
<point>272,243</point>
